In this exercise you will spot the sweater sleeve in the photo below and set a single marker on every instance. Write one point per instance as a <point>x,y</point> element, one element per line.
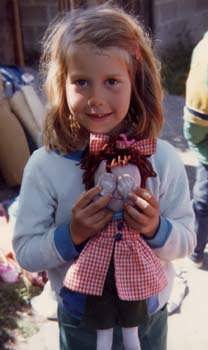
<point>35,239</point>
<point>175,209</point>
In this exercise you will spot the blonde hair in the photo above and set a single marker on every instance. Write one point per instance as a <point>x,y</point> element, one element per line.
<point>102,26</point>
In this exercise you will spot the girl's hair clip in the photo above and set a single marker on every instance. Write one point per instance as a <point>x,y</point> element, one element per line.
<point>137,53</point>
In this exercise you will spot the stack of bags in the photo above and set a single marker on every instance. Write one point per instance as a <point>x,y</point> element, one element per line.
<point>21,119</point>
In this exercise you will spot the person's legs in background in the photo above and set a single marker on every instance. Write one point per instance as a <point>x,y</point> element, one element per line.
<point>200,205</point>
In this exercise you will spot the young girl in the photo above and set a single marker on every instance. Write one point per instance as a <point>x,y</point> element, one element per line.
<point>102,79</point>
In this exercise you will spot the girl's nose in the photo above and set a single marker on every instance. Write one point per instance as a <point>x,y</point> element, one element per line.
<point>95,100</point>
<point>94,103</point>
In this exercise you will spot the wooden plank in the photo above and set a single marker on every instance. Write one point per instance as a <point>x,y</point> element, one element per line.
<point>64,5</point>
<point>7,52</point>
<point>19,52</point>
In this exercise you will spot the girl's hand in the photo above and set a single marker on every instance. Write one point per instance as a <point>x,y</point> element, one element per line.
<point>141,212</point>
<point>88,216</point>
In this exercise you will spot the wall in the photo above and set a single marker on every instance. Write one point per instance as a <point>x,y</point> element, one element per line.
<point>35,16</point>
<point>179,20</point>
<point>7,52</point>
<point>174,20</point>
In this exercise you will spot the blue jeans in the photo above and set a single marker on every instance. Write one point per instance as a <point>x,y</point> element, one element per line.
<point>200,205</point>
<point>153,334</point>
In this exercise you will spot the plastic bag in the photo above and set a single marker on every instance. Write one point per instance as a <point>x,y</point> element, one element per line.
<point>13,78</point>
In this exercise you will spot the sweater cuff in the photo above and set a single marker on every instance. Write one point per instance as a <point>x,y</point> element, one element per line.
<point>64,243</point>
<point>162,234</point>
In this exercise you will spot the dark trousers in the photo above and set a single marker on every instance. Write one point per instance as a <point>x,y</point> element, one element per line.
<point>73,336</point>
<point>200,205</point>
<point>108,310</point>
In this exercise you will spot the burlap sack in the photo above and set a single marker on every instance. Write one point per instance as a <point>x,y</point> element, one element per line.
<point>24,113</point>
<point>14,150</point>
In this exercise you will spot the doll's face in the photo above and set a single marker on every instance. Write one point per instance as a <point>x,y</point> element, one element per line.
<point>120,182</point>
<point>98,87</point>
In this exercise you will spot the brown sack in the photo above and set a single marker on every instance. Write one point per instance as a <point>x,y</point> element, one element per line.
<point>35,105</point>
<point>14,150</point>
<point>23,112</point>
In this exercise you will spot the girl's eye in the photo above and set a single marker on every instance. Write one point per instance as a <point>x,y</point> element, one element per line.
<point>112,82</point>
<point>81,82</point>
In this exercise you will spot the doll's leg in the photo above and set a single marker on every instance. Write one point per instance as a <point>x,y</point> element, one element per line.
<point>131,314</point>
<point>104,339</point>
<point>130,338</point>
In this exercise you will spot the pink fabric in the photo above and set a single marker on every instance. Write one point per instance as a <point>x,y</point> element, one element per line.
<point>138,271</point>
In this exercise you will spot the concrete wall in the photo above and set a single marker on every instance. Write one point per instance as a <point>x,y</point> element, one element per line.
<point>179,20</point>
<point>174,20</point>
<point>35,16</point>
<point>7,52</point>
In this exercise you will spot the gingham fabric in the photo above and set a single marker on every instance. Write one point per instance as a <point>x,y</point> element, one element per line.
<point>138,271</point>
<point>145,147</point>
<point>97,142</point>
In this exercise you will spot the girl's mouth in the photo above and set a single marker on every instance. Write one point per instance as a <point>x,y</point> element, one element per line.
<point>98,116</point>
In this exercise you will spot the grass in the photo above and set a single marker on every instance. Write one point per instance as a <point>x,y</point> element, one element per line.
<point>14,304</point>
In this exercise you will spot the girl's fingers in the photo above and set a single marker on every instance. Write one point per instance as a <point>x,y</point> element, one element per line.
<point>99,216</point>
<point>146,196</point>
<point>103,222</point>
<point>87,197</point>
<point>96,205</point>
<point>141,205</point>
<point>131,223</point>
<point>148,207</point>
<point>137,217</point>
<point>147,229</point>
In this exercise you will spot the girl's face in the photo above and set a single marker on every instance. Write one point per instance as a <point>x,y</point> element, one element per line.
<point>98,87</point>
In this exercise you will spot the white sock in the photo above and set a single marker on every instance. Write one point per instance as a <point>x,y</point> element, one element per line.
<point>104,339</point>
<point>131,338</point>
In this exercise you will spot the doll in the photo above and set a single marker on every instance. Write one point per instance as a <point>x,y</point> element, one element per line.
<point>118,255</point>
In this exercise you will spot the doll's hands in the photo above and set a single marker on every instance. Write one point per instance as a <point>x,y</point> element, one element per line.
<point>89,216</point>
<point>141,212</point>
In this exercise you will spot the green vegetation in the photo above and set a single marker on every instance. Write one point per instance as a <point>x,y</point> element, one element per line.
<point>14,304</point>
<point>175,61</point>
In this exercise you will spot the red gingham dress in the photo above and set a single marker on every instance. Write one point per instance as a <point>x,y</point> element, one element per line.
<point>138,271</point>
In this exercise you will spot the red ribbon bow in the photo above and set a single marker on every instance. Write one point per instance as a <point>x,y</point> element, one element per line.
<point>145,147</point>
